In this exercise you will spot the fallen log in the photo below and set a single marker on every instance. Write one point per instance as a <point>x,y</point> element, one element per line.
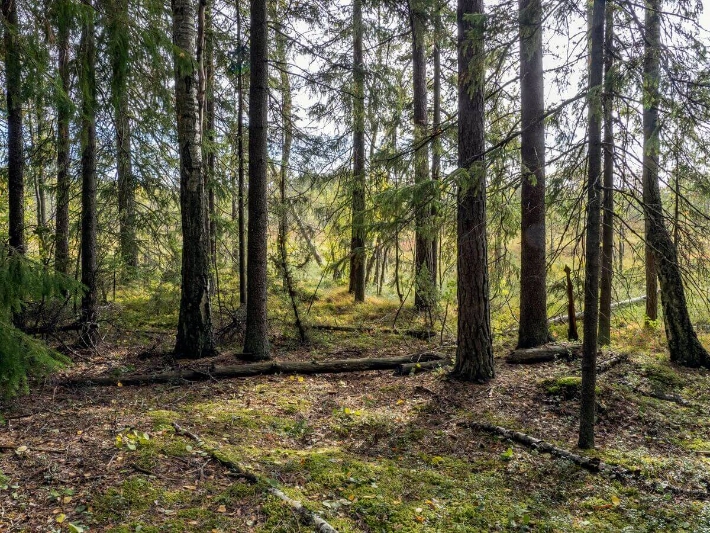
<point>257,369</point>
<point>541,354</point>
<point>561,319</point>
<point>407,369</point>
<point>421,334</point>
<point>307,516</point>
<point>356,329</point>
<point>610,363</point>
<point>591,464</point>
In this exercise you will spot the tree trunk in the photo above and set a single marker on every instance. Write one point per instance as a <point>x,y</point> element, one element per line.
<point>15,157</point>
<point>572,334</point>
<point>591,275</point>
<point>683,344</point>
<point>357,244</point>
<point>64,111</point>
<point>287,141</point>
<point>209,133</point>
<point>240,171</point>
<point>533,264</point>
<point>608,219</point>
<point>474,353</point>
<point>119,45</point>
<point>194,336</point>
<point>256,338</point>
<point>650,156</point>
<point>423,282</point>
<point>436,143</point>
<point>89,302</point>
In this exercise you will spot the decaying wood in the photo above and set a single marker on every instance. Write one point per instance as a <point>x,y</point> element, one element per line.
<point>541,354</point>
<point>406,369</point>
<point>422,334</point>
<point>592,464</point>
<point>307,516</point>
<point>258,369</point>
<point>561,319</point>
<point>610,363</point>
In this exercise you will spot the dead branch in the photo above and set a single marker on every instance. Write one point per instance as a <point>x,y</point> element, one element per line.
<point>307,516</point>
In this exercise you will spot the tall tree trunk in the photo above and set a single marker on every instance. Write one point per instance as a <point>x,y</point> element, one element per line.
<point>119,45</point>
<point>287,141</point>
<point>256,339</point>
<point>357,243</point>
<point>424,285</point>
<point>240,171</point>
<point>210,153</point>
<point>608,218</point>
<point>13,93</point>
<point>591,274</point>
<point>650,162</point>
<point>474,352</point>
<point>194,335</point>
<point>683,344</point>
<point>436,143</point>
<point>89,302</point>
<point>533,329</point>
<point>64,111</point>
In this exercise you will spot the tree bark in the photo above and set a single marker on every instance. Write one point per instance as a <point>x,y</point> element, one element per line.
<point>357,243</point>
<point>15,157</point>
<point>572,333</point>
<point>119,46</point>
<point>539,354</point>
<point>533,264</point>
<point>256,339</point>
<point>436,142</point>
<point>89,301</point>
<point>608,208</point>
<point>240,170</point>
<point>683,344</point>
<point>474,353</point>
<point>424,285</point>
<point>591,275</point>
<point>651,79</point>
<point>194,335</point>
<point>210,154</point>
<point>287,141</point>
<point>64,112</point>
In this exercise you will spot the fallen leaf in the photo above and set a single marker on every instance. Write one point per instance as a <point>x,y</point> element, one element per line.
<point>60,518</point>
<point>616,501</point>
<point>222,509</point>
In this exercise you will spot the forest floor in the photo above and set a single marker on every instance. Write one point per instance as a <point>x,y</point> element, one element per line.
<point>369,451</point>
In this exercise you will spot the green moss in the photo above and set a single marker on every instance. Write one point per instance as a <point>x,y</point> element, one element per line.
<point>663,375</point>
<point>134,496</point>
<point>163,419</point>
<point>567,387</point>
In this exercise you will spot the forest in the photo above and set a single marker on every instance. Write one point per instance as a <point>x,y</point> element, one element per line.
<point>361,266</point>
